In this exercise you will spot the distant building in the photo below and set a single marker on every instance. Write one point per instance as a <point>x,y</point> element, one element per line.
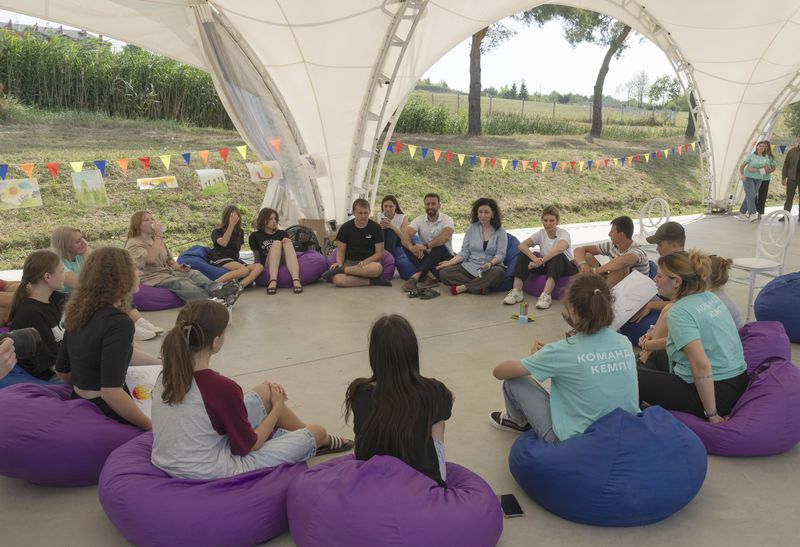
<point>47,32</point>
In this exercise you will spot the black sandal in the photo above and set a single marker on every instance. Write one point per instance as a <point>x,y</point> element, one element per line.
<point>298,287</point>
<point>272,289</point>
<point>335,444</point>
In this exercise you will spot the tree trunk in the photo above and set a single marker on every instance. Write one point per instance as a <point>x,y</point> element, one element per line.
<point>597,102</point>
<point>690,124</point>
<point>474,101</point>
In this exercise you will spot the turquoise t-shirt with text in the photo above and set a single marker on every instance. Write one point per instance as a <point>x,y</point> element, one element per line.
<point>591,375</point>
<point>704,317</point>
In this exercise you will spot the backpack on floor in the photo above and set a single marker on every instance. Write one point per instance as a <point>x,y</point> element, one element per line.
<point>303,238</point>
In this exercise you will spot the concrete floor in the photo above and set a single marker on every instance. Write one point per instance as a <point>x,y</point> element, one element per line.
<point>315,343</point>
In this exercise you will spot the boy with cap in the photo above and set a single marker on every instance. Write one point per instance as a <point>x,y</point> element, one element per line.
<point>669,238</point>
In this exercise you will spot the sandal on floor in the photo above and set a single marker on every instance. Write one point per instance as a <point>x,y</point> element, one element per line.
<point>272,289</point>
<point>335,444</point>
<point>298,288</point>
<point>427,294</point>
<point>414,293</point>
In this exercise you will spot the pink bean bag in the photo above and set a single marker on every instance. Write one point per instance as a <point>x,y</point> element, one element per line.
<point>312,265</point>
<point>387,262</point>
<point>155,298</point>
<point>764,420</point>
<point>47,438</point>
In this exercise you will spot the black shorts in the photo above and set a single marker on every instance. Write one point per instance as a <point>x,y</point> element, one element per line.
<point>216,258</point>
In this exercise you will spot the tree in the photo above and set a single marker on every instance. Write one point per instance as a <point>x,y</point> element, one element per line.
<point>523,91</point>
<point>490,91</point>
<point>690,127</point>
<point>640,84</point>
<point>483,41</point>
<point>512,91</point>
<point>791,116</point>
<point>663,90</point>
<point>591,27</point>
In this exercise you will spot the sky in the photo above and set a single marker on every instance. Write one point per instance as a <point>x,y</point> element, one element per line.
<point>540,56</point>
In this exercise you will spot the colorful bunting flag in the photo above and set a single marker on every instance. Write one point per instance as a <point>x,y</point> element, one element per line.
<point>101,165</point>
<point>461,159</point>
<point>492,162</point>
<point>647,158</point>
<point>204,155</point>
<point>424,153</point>
<point>53,167</point>
<point>145,161</point>
<point>412,150</point>
<point>572,165</point>
<point>398,146</point>
<point>503,163</point>
<point>77,166</point>
<point>535,163</point>
<point>483,161</point>
<point>448,157</point>
<point>615,162</point>
<point>606,162</point>
<point>165,159</point>
<point>525,165</point>
<point>693,147</point>
<point>581,166</point>
<point>242,151</point>
<point>436,155</point>
<point>187,157</point>
<point>27,168</point>
<point>223,153</point>
<point>589,164</point>
<point>123,164</point>
<point>472,161</point>
<point>275,143</point>
<point>514,165</point>
<point>553,165</point>
<point>3,170</point>
<point>390,148</point>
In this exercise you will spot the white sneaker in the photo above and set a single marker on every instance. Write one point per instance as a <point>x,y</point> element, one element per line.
<point>514,296</point>
<point>755,217</point>
<point>544,301</point>
<point>742,216</point>
<point>141,333</point>
<point>147,325</point>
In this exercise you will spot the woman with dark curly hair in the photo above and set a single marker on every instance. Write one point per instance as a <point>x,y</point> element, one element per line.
<point>98,342</point>
<point>478,266</point>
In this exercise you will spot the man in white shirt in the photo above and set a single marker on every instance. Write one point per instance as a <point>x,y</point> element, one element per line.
<point>435,230</point>
<point>625,254</point>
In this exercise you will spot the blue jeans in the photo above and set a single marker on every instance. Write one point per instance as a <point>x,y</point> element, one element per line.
<point>191,285</point>
<point>751,187</point>
<point>527,402</point>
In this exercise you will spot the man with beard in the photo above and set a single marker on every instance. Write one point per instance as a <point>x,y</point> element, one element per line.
<point>435,230</point>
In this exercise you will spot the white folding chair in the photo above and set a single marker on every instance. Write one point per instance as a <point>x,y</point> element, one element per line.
<point>652,214</point>
<point>774,235</point>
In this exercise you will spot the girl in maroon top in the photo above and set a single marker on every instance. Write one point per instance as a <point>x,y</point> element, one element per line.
<point>204,427</point>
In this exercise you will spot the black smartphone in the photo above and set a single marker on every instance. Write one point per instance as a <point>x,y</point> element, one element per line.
<point>510,506</point>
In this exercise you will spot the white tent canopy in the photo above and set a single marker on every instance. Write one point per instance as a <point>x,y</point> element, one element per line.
<point>331,77</point>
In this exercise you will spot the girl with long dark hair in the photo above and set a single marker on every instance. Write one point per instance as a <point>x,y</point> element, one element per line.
<point>228,239</point>
<point>271,246</point>
<point>204,427</point>
<point>396,411</point>
<point>393,222</point>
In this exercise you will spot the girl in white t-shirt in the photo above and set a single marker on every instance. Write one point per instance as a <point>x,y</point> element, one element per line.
<point>555,261</point>
<point>393,222</point>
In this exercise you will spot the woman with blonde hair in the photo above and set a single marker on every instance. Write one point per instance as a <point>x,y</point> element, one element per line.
<point>98,341</point>
<point>707,372</point>
<point>755,172</point>
<point>70,244</point>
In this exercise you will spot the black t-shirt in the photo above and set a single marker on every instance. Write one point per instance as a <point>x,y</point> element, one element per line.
<point>231,250</point>
<point>98,354</point>
<point>261,243</point>
<point>46,319</point>
<point>360,241</point>
<point>423,453</point>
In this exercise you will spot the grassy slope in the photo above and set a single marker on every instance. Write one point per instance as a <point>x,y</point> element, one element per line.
<point>29,135</point>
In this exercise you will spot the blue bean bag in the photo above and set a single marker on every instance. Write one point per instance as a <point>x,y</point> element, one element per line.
<point>197,258</point>
<point>624,470</point>
<point>779,301</point>
<point>634,331</point>
<point>382,501</point>
<point>512,251</point>
<point>150,508</point>
<point>651,273</point>
<point>17,375</point>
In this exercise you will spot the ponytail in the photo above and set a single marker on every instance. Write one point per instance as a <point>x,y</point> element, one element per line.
<point>592,303</point>
<point>197,325</point>
<point>36,266</point>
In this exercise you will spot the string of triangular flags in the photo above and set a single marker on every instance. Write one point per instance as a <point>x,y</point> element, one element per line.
<point>521,165</point>
<point>124,164</point>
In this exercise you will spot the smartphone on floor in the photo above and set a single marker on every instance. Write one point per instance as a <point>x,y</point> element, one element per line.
<point>510,506</point>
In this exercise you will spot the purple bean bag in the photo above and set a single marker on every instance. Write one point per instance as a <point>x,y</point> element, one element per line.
<point>312,265</point>
<point>779,300</point>
<point>155,298</point>
<point>48,439</point>
<point>383,501</point>
<point>534,285</point>
<point>17,375</point>
<point>764,420</point>
<point>197,257</point>
<point>151,508</point>
<point>387,261</point>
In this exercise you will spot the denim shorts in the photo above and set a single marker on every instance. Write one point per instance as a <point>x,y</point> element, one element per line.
<point>283,446</point>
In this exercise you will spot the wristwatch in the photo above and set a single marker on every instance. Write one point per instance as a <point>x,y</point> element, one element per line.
<point>710,414</point>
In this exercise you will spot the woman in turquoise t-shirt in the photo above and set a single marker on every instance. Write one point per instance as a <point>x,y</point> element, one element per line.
<point>755,171</point>
<point>709,373</point>
<point>591,373</point>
